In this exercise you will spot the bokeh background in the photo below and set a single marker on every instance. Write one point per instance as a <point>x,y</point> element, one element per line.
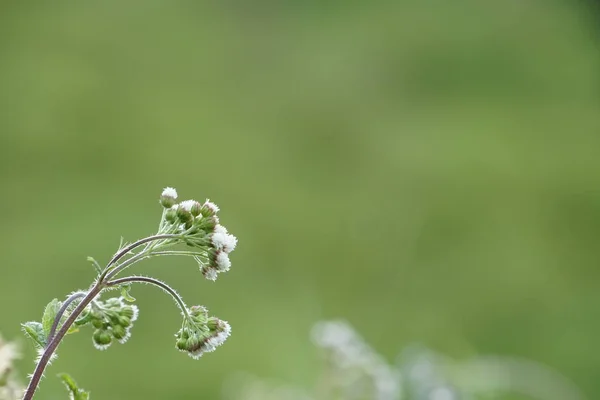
<point>427,170</point>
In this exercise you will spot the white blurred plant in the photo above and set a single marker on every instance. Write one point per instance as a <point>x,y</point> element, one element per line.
<point>354,371</point>
<point>10,387</point>
<point>247,387</point>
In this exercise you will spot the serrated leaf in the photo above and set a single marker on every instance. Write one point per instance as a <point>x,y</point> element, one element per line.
<point>35,331</point>
<point>95,264</point>
<point>75,392</point>
<point>49,315</point>
<point>125,293</point>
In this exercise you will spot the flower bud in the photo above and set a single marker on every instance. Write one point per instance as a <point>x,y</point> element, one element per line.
<point>168,197</point>
<point>222,262</point>
<point>181,344</point>
<point>192,206</point>
<point>102,339</point>
<point>209,273</point>
<point>183,215</point>
<point>204,334</point>
<point>199,311</point>
<point>223,241</point>
<point>209,208</point>
<point>130,312</point>
<point>114,319</point>
<point>213,323</point>
<point>125,322</point>
<point>118,332</point>
<point>171,216</point>
<point>207,224</point>
<point>97,323</point>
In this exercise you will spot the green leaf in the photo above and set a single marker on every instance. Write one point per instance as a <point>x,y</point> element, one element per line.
<point>75,392</point>
<point>125,293</point>
<point>95,264</point>
<point>49,315</point>
<point>35,331</point>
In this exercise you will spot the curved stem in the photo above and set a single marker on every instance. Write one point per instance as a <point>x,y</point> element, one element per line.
<point>51,348</point>
<point>125,264</point>
<point>101,283</point>
<point>155,282</point>
<point>132,246</point>
<point>61,311</point>
<point>140,242</point>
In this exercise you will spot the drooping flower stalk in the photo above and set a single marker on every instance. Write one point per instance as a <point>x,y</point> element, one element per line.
<point>188,224</point>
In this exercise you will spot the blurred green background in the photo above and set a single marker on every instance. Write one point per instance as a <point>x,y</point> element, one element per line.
<point>427,170</point>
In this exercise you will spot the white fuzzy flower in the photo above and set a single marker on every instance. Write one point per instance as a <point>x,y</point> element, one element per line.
<point>223,262</point>
<point>188,204</point>
<point>213,342</point>
<point>220,229</point>
<point>209,273</point>
<point>211,206</point>
<point>230,243</point>
<point>224,241</point>
<point>169,192</point>
<point>223,334</point>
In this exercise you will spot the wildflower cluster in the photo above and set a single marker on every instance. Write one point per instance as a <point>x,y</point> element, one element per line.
<point>200,333</point>
<point>202,229</point>
<point>192,226</point>
<point>112,319</point>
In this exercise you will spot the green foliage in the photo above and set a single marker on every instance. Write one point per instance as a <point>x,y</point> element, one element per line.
<point>75,392</point>
<point>49,316</point>
<point>35,331</point>
<point>95,264</point>
<point>125,293</point>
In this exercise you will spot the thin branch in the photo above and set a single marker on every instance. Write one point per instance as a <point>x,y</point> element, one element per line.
<point>132,246</point>
<point>61,311</point>
<point>152,281</point>
<point>51,348</point>
<point>140,242</point>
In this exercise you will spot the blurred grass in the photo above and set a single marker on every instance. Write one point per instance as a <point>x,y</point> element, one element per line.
<point>427,170</point>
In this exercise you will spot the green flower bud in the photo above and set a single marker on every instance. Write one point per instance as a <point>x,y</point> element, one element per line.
<point>196,311</point>
<point>209,208</point>
<point>119,332</point>
<point>195,209</point>
<point>114,318</point>
<point>171,216</point>
<point>102,339</point>
<point>98,323</point>
<point>213,324</point>
<point>181,344</point>
<point>168,197</point>
<point>193,343</point>
<point>184,215</point>
<point>208,224</point>
<point>124,321</point>
<point>129,312</point>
